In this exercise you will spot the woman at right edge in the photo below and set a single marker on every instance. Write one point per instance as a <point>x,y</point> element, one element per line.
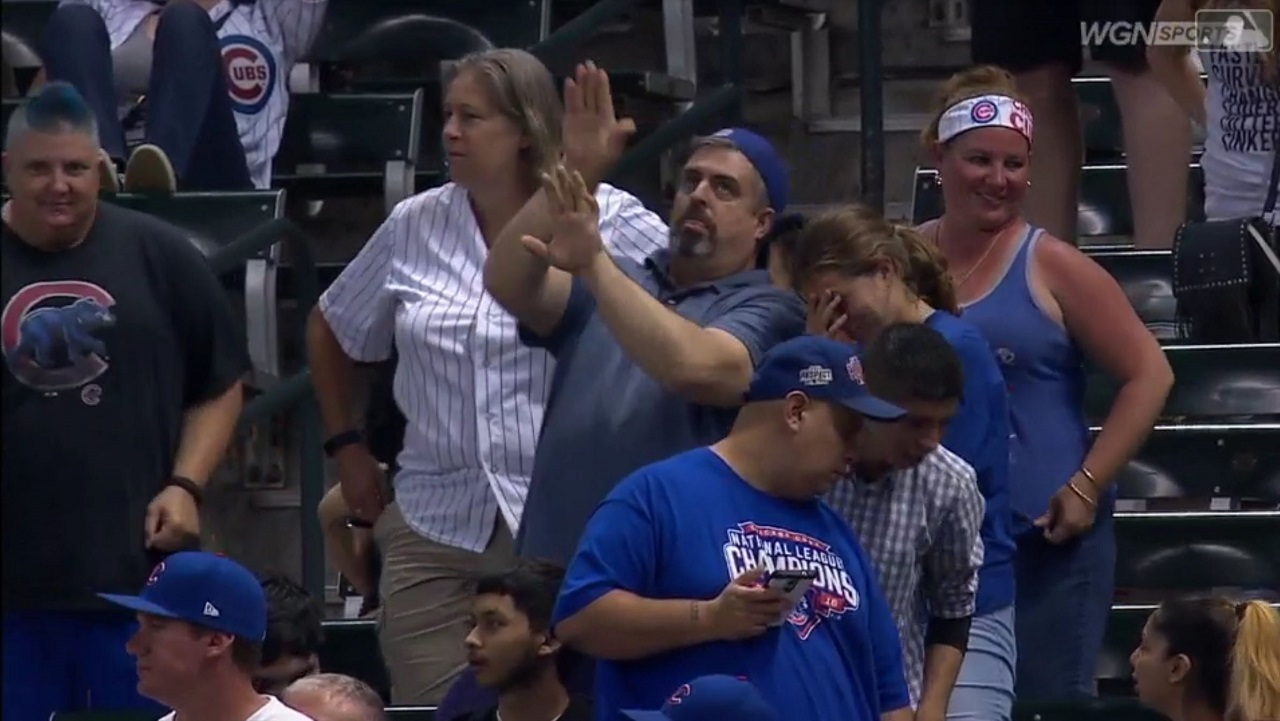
<point>1045,308</point>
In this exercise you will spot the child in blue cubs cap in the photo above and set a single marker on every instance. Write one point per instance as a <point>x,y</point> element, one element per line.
<point>203,618</point>
<point>711,698</point>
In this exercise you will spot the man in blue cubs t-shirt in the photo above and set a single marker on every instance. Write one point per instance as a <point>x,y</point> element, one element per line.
<point>667,582</point>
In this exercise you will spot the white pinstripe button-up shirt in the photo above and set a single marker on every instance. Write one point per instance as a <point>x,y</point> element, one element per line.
<point>473,394</point>
<point>920,527</point>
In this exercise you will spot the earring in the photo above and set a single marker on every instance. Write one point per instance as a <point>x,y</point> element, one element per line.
<point>1028,183</point>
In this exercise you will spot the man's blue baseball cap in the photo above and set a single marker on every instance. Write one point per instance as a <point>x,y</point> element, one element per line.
<point>204,589</point>
<point>764,157</point>
<point>711,698</point>
<point>822,369</point>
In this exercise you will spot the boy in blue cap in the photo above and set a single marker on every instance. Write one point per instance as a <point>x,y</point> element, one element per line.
<point>202,619</point>
<point>711,698</point>
<point>670,581</point>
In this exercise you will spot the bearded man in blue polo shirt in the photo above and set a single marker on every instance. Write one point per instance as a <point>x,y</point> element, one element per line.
<point>651,359</point>
<point>670,581</point>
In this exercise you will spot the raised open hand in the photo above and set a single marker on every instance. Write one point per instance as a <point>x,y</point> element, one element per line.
<point>593,135</point>
<point>575,243</point>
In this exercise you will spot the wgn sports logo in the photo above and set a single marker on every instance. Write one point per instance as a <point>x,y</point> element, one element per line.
<point>251,72</point>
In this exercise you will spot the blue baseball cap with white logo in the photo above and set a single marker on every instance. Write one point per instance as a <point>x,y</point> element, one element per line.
<point>765,159</point>
<point>822,369</point>
<point>711,698</point>
<point>204,589</point>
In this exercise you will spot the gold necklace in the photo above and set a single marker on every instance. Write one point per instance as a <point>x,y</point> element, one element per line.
<point>991,245</point>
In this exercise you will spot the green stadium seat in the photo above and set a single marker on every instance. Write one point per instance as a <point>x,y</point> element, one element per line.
<point>411,713</point>
<point>351,648</point>
<point>1103,210</point>
<point>23,23</point>
<point>1102,709</point>
<point>1146,277</point>
<point>1239,461</point>
<point>1195,550</point>
<point>350,144</point>
<point>1213,382</point>
<point>214,220</point>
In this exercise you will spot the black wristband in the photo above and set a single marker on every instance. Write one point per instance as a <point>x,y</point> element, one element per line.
<point>342,440</point>
<point>191,487</point>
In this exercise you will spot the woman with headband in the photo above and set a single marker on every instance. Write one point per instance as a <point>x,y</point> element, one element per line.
<point>1046,309</point>
<point>1210,659</point>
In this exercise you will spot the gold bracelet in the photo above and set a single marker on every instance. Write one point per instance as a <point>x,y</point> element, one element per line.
<point>1084,471</point>
<point>1083,496</point>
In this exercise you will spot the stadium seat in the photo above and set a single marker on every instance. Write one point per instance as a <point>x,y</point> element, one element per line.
<point>1146,277</point>
<point>1213,382</point>
<point>1103,210</point>
<point>351,648</point>
<point>214,220</point>
<point>1102,709</point>
<point>411,713</point>
<point>23,24</point>
<point>350,144</point>
<point>1185,551</point>
<point>1206,461</point>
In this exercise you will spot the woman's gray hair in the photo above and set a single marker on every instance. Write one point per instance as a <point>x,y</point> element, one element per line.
<point>525,92</point>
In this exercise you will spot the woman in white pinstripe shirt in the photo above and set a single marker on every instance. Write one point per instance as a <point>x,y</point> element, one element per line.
<point>472,393</point>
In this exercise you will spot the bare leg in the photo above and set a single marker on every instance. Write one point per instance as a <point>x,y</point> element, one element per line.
<point>1058,151</point>
<point>1157,145</point>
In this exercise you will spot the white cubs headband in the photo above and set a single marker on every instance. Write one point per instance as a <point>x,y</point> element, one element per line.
<point>985,111</point>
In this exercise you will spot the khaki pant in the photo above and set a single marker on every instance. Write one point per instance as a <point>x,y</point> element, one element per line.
<point>426,590</point>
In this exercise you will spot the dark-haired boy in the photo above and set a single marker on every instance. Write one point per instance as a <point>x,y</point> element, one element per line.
<point>295,632</point>
<point>917,507</point>
<point>511,649</point>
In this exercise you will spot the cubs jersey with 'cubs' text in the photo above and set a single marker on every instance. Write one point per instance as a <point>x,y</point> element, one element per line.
<point>261,42</point>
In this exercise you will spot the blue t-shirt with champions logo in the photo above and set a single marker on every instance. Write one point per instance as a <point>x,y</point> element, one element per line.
<point>682,529</point>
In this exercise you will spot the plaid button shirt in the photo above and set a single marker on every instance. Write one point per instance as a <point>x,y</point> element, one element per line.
<point>920,528</point>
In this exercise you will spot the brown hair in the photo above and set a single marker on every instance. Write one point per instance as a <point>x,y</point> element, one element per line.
<point>969,83</point>
<point>1270,60</point>
<point>853,240</point>
<point>523,90</point>
<point>1234,650</point>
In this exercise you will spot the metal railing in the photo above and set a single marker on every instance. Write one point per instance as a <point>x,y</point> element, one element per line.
<point>871,73</point>
<point>294,392</point>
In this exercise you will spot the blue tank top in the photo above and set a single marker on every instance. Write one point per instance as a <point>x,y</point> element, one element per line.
<point>1044,371</point>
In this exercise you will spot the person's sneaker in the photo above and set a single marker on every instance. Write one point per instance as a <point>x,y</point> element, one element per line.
<point>149,171</point>
<point>108,175</point>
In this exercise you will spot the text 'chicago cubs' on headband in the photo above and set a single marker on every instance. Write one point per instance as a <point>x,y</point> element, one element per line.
<point>985,111</point>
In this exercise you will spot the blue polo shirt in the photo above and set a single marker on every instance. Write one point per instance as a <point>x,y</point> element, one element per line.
<point>606,417</point>
<point>980,435</point>
<point>683,529</point>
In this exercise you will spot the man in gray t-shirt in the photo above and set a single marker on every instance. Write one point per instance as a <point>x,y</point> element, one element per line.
<point>654,358</point>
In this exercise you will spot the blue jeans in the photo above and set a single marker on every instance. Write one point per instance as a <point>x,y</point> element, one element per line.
<point>188,107</point>
<point>1064,596</point>
<point>68,662</point>
<point>984,690</point>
